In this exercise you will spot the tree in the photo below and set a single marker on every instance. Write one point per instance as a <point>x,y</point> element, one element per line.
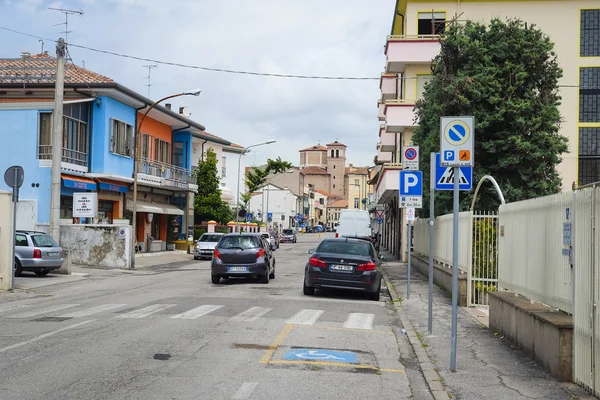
<point>505,75</point>
<point>257,178</point>
<point>208,203</point>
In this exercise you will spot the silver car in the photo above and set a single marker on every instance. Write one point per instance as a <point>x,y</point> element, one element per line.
<point>36,252</point>
<point>206,245</point>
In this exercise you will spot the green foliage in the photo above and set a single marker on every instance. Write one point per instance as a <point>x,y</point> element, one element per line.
<point>208,204</point>
<point>257,178</point>
<point>506,76</point>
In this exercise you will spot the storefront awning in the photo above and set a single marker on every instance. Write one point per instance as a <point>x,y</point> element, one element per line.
<point>77,182</point>
<point>169,209</point>
<point>113,186</point>
<point>145,207</point>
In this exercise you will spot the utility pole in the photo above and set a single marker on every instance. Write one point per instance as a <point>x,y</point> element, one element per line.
<point>57,140</point>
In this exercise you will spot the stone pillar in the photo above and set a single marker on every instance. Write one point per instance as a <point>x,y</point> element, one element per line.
<point>6,240</point>
<point>211,226</point>
<point>66,267</point>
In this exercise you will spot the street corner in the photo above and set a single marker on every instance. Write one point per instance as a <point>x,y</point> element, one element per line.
<point>321,348</point>
<point>28,282</point>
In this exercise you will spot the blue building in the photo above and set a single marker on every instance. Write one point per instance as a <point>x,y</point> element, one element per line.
<point>98,149</point>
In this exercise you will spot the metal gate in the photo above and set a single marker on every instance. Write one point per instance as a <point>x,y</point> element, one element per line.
<point>483,274</point>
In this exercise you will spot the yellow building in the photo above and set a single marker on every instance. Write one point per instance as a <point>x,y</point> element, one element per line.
<point>358,188</point>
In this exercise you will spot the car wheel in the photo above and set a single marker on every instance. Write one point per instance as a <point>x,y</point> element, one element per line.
<point>196,258</point>
<point>375,295</point>
<point>215,279</point>
<point>42,272</point>
<point>272,274</point>
<point>308,290</point>
<point>18,268</point>
<point>265,278</point>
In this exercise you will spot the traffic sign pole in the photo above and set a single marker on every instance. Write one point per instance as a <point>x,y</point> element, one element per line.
<point>15,199</point>
<point>408,245</point>
<point>431,242</point>
<point>454,274</point>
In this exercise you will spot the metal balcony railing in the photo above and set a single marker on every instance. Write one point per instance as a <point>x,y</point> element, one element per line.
<point>415,37</point>
<point>167,171</point>
<point>68,155</point>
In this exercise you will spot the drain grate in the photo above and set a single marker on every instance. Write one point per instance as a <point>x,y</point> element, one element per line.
<point>162,356</point>
<point>52,319</point>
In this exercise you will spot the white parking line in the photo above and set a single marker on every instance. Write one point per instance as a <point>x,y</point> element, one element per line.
<point>251,314</point>
<point>245,390</point>
<point>47,310</point>
<point>44,336</point>
<point>93,310</point>
<point>144,312</point>
<point>10,307</point>
<point>359,321</point>
<point>305,317</point>
<point>197,312</point>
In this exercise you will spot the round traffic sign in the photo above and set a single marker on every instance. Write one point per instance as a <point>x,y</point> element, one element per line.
<point>14,176</point>
<point>410,154</point>
<point>457,133</point>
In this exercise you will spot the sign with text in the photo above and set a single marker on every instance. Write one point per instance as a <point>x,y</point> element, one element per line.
<point>85,204</point>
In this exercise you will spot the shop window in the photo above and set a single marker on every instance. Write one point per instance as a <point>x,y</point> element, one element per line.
<point>106,211</point>
<point>66,207</point>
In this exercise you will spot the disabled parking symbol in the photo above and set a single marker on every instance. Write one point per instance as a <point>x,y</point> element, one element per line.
<point>321,355</point>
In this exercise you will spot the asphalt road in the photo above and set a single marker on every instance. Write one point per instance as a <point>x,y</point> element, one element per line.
<point>167,332</point>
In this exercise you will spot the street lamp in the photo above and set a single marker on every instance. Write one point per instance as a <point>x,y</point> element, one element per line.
<point>136,137</point>
<point>237,199</point>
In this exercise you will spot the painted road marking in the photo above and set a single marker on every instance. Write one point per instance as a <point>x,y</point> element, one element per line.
<point>10,307</point>
<point>245,390</point>
<point>197,312</point>
<point>321,355</point>
<point>44,311</point>
<point>144,312</point>
<point>93,310</point>
<point>305,317</point>
<point>251,314</point>
<point>276,343</point>
<point>44,336</point>
<point>359,321</point>
<point>333,364</point>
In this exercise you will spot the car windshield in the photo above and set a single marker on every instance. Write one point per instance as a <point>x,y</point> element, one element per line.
<point>239,242</point>
<point>288,232</point>
<point>210,238</point>
<point>43,241</point>
<point>343,247</point>
<point>265,235</point>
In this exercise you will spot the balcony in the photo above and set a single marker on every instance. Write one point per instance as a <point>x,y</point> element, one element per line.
<point>156,173</point>
<point>72,160</point>
<point>387,140</point>
<point>388,184</point>
<point>399,115</point>
<point>380,112</point>
<point>383,156</point>
<point>403,50</point>
<point>389,86</point>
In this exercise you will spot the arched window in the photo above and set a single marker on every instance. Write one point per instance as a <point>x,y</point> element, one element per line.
<point>337,154</point>
<point>332,153</point>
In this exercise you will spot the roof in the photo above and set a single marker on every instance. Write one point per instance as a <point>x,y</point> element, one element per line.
<point>315,171</point>
<point>324,193</point>
<point>357,171</point>
<point>316,147</point>
<point>336,143</point>
<point>338,204</point>
<point>238,146</point>
<point>41,68</point>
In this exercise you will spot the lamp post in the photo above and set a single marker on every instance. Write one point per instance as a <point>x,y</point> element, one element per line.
<point>237,198</point>
<point>136,139</point>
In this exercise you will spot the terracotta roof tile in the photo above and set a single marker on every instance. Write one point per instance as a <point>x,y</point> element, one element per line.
<point>336,143</point>
<point>314,171</point>
<point>41,68</point>
<point>324,193</point>
<point>338,204</point>
<point>237,146</point>
<point>317,147</point>
<point>357,171</point>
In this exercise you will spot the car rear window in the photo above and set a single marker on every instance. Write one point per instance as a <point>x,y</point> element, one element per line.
<point>343,247</point>
<point>288,232</point>
<point>210,238</point>
<point>43,241</point>
<point>237,242</point>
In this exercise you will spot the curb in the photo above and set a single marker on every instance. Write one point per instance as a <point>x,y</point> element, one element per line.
<point>433,379</point>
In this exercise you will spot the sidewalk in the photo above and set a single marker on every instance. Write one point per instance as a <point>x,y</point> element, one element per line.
<point>488,366</point>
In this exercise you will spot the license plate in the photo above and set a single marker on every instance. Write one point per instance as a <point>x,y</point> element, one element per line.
<point>52,254</point>
<point>237,269</point>
<point>337,267</point>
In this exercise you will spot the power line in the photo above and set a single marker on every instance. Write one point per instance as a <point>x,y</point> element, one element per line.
<point>239,72</point>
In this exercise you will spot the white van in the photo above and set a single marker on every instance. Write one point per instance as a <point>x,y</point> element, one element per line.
<point>354,223</point>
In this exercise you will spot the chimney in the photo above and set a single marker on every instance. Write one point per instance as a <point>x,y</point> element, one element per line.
<point>181,110</point>
<point>168,106</point>
<point>25,54</point>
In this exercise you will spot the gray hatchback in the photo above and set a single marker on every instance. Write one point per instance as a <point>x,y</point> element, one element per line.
<point>242,255</point>
<point>36,252</point>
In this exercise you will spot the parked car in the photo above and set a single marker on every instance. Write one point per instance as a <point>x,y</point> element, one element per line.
<point>242,255</point>
<point>288,235</point>
<point>270,239</point>
<point>205,245</point>
<point>354,224</point>
<point>351,264</point>
<point>36,252</point>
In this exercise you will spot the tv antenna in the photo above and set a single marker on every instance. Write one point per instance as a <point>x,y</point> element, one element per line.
<point>66,23</point>
<point>148,77</point>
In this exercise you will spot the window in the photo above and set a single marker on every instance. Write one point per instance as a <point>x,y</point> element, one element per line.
<point>333,165</point>
<point>121,138</point>
<point>431,23</point>
<point>146,145</point>
<point>223,167</point>
<point>162,151</point>
<point>421,81</point>
<point>21,240</point>
<point>356,202</point>
<point>356,182</point>
<point>589,155</point>
<point>589,94</point>
<point>321,201</point>
<point>43,240</point>
<point>334,186</point>
<point>332,153</point>
<point>589,42</point>
<point>337,154</point>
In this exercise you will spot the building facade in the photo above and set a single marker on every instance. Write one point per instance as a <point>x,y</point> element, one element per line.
<point>280,202</point>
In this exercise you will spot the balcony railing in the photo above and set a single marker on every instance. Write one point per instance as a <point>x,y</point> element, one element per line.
<point>68,155</point>
<point>167,171</point>
<point>415,37</point>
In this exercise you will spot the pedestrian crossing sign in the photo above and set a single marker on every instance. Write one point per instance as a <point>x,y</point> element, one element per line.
<point>444,176</point>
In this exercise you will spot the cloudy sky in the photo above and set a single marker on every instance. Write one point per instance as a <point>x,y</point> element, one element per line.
<point>309,37</point>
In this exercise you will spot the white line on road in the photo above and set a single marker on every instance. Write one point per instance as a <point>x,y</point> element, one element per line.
<point>144,312</point>
<point>245,390</point>
<point>197,312</point>
<point>93,310</point>
<point>251,314</point>
<point>44,336</point>
<point>47,310</point>
<point>10,307</point>
<point>305,317</point>
<point>359,321</point>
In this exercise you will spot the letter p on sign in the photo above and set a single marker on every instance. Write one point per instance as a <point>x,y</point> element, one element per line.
<point>411,183</point>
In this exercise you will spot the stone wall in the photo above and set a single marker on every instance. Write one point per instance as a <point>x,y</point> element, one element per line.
<point>98,245</point>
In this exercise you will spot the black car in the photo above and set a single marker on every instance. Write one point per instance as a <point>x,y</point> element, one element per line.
<point>344,263</point>
<point>242,255</point>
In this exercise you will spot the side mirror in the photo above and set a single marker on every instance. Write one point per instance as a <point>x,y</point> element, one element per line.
<point>311,251</point>
<point>382,257</point>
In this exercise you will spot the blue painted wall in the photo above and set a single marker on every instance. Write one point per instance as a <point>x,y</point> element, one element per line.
<point>19,135</point>
<point>185,138</point>
<point>103,161</point>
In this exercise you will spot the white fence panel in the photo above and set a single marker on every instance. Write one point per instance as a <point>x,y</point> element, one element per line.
<point>443,240</point>
<point>530,260</point>
<point>421,237</point>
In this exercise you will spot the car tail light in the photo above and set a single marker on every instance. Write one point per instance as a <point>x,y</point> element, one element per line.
<point>370,266</point>
<point>261,253</point>
<point>337,235</point>
<point>37,253</point>
<point>216,254</point>
<point>315,262</point>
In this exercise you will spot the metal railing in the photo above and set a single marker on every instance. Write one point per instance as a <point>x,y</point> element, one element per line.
<point>68,155</point>
<point>433,38</point>
<point>167,171</point>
